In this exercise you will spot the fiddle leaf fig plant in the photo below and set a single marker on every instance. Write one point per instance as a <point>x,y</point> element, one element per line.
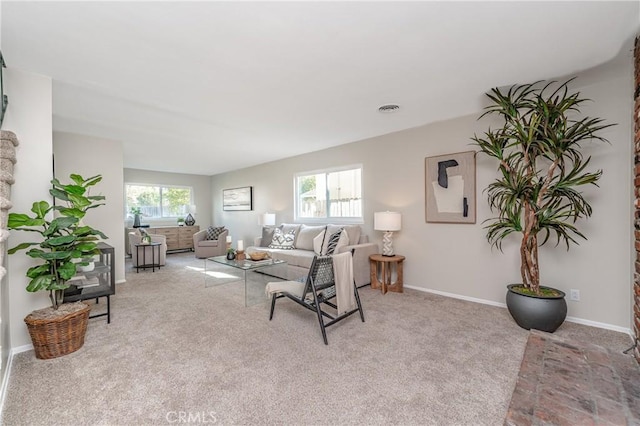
<point>541,169</point>
<point>65,240</point>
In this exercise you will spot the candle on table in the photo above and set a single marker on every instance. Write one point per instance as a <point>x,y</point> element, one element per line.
<point>240,245</point>
<point>228,238</point>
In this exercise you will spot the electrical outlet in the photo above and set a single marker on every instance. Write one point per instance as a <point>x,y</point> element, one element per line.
<point>575,295</point>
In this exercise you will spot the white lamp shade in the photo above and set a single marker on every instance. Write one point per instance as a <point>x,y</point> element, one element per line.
<point>387,221</point>
<point>269,219</point>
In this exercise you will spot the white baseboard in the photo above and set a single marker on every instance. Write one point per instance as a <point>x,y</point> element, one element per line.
<point>121,281</point>
<point>503,305</point>
<point>20,349</point>
<point>601,325</point>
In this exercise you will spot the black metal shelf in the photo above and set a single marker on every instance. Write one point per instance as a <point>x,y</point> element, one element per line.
<point>105,271</point>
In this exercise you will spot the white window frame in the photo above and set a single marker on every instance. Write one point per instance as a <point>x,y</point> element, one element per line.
<point>155,185</point>
<point>328,219</point>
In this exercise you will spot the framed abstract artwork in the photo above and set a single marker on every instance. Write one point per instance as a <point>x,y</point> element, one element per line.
<point>237,198</point>
<point>450,188</point>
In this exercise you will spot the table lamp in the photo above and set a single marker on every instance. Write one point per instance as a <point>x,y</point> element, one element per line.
<point>387,222</point>
<point>268,219</point>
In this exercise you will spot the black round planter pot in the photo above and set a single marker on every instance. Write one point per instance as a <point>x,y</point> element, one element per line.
<point>540,313</point>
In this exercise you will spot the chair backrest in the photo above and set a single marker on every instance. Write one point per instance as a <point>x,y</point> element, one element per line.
<point>320,274</point>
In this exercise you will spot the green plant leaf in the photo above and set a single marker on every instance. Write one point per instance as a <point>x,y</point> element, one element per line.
<point>67,270</point>
<point>18,220</point>
<point>40,208</point>
<point>36,271</point>
<point>92,180</point>
<point>57,285</point>
<point>41,282</point>
<point>49,255</point>
<point>72,212</point>
<point>77,179</point>
<point>59,194</point>
<point>60,223</point>
<point>21,246</point>
<point>59,241</point>
<point>79,201</point>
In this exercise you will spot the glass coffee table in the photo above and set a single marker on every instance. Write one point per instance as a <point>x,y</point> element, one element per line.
<point>254,274</point>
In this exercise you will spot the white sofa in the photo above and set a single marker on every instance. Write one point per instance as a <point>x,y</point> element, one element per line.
<point>299,259</point>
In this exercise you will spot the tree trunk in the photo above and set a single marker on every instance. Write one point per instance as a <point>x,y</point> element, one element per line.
<point>529,268</point>
<point>56,297</point>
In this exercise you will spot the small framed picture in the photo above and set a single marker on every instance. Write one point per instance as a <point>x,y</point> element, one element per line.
<point>450,188</point>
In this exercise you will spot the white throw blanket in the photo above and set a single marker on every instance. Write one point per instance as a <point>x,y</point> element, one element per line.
<point>343,273</point>
<point>295,288</point>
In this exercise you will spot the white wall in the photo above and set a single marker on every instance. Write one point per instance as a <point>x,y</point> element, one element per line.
<point>201,193</point>
<point>29,116</point>
<point>90,156</point>
<point>457,259</point>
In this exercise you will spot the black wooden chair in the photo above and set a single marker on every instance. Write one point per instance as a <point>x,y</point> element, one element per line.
<point>318,290</point>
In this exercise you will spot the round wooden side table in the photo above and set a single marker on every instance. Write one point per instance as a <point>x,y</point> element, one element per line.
<point>382,268</point>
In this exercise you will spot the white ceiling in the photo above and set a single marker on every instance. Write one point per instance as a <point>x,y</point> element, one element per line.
<point>208,87</point>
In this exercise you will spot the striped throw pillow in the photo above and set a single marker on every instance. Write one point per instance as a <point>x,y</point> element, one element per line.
<point>333,242</point>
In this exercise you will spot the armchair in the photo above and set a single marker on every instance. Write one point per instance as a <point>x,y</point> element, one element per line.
<point>136,238</point>
<point>209,248</point>
<point>330,277</point>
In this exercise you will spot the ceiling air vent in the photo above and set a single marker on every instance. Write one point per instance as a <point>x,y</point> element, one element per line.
<point>389,108</point>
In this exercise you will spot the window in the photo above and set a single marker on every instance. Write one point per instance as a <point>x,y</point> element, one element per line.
<point>158,201</point>
<point>329,194</point>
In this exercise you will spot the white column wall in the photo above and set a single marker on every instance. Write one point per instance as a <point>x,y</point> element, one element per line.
<point>29,116</point>
<point>90,156</point>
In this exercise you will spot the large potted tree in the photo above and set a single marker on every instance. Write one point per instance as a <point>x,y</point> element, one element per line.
<point>541,169</point>
<point>64,244</point>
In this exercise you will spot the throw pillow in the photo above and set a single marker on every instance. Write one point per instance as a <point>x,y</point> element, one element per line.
<point>281,240</point>
<point>342,242</point>
<point>318,243</point>
<point>214,232</point>
<point>267,235</point>
<point>289,227</point>
<point>333,242</point>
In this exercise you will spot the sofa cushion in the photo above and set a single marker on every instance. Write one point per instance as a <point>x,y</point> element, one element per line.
<point>354,232</point>
<point>214,232</point>
<point>282,240</point>
<point>336,241</point>
<point>267,235</point>
<point>306,235</point>
<point>208,243</point>
<point>295,257</point>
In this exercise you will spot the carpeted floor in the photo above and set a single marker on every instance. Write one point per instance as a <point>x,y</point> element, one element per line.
<point>177,352</point>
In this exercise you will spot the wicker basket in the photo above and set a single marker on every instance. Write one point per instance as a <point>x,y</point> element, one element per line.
<point>56,337</point>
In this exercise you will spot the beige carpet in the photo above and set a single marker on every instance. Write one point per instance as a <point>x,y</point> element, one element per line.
<point>177,350</point>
